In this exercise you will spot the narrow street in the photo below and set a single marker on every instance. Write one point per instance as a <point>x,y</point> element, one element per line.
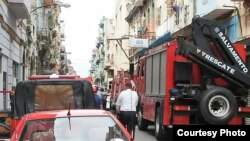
<point>173,62</point>
<point>145,135</point>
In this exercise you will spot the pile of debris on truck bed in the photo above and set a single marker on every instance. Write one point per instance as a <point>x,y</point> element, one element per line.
<point>52,94</point>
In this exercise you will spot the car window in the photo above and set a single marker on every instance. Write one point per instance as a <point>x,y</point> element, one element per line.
<point>88,128</point>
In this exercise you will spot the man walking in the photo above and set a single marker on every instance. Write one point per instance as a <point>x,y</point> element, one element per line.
<point>126,106</point>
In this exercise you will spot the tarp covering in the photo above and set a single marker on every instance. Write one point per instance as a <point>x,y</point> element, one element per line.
<point>163,39</point>
<point>42,95</point>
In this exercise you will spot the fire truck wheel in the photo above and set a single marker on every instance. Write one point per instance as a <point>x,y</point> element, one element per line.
<point>142,123</point>
<point>217,105</point>
<point>159,128</point>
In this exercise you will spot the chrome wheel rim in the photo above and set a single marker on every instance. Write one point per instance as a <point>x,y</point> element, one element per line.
<point>218,106</point>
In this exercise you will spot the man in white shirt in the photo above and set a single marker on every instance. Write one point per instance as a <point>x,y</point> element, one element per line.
<point>126,106</point>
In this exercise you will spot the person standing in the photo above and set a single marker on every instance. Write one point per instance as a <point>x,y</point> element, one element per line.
<point>108,100</point>
<point>98,99</point>
<point>104,97</point>
<point>126,108</point>
<point>99,92</point>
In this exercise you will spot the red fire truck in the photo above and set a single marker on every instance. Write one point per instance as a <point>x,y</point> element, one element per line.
<point>203,79</point>
<point>118,83</point>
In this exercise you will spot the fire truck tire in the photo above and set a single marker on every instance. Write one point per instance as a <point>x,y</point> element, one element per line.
<point>142,123</point>
<point>159,128</point>
<point>217,105</point>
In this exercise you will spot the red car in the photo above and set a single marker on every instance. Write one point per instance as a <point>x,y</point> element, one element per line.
<point>70,125</point>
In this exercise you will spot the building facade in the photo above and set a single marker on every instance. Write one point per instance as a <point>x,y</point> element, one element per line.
<point>48,36</point>
<point>156,19</point>
<point>112,51</point>
<point>30,39</point>
<point>12,44</point>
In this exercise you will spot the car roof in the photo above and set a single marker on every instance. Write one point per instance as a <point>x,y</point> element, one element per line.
<point>64,113</point>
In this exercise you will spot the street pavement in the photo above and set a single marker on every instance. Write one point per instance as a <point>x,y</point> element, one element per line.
<point>145,135</point>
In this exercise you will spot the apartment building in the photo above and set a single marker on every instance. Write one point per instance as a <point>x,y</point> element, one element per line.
<point>12,44</point>
<point>112,50</point>
<point>48,35</point>
<point>161,20</point>
<point>30,40</point>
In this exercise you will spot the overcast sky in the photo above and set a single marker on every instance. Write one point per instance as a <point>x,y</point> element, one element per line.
<point>81,29</point>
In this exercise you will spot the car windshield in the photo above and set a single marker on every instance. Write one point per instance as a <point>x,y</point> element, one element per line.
<point>87,128</point>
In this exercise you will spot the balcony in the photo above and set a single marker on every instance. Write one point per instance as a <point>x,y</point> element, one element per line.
<point>138,3</point>
<point>62,49</point>
<point>47,2</point>
<point>100,39</point>
<point>20,8</point>
<point>97,62</point>
<point>107,66</point>
<point>62,34</point>
<point>213,9</point>
<point>133,9</point>
<point>93,55</point>
<point>43,34</point>
<point>62,56</point>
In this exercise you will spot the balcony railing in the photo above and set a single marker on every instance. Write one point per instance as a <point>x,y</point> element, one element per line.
<point>20,8</point>
<point>133,9</point>
<point>43,34</point>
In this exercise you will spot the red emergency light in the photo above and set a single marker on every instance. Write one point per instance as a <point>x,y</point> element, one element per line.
<point>53,76</point>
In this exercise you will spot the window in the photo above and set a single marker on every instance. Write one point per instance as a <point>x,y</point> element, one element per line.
<point>158,16</point>
<point>177,19</point>
<point>111,73</point>
<point>15,69</point>
<point>176,9</point>
<point>169,7</point>
<point>112,58</point>
<point>186,11</point>
<point>144,20</point>
<point>108,57</point>
<point>148,16</point>
<point>152,11</point>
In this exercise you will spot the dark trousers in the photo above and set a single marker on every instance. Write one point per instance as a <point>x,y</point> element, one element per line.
<point>104,103</point>
<point>128,119</point>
